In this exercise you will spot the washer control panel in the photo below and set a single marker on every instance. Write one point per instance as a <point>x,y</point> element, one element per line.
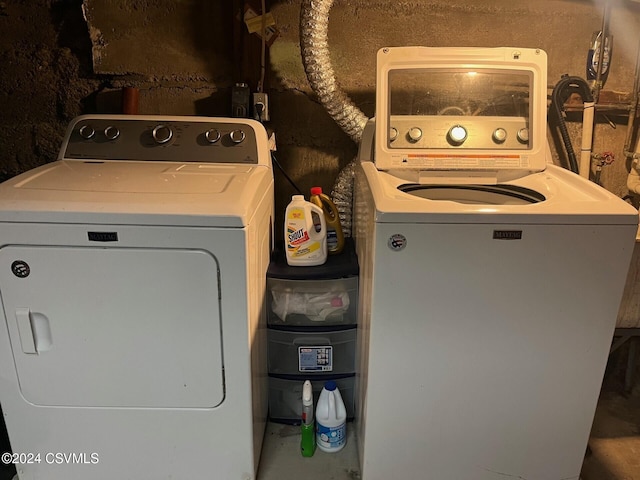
<point>430,132</point>
<point>110,137</point>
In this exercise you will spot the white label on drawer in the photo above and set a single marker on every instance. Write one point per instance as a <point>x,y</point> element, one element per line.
<point>315,359</point>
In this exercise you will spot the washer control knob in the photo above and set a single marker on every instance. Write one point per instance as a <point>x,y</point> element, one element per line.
<point>457,135</point>
<point>162,134</point>
<point>415,134</point>
<point>212,135</point>
<point>87,132</point>
<point>523,135</point>
<point>111,132</point>
<point>393,134</point>
<point>499,135</point>
<point>237,136</point>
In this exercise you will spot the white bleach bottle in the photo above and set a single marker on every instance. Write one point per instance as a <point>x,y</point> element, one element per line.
<point>331,419</point>
<point>305,233</point>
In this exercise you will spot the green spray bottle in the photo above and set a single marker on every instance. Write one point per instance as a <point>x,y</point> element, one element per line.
<point>307,426</point>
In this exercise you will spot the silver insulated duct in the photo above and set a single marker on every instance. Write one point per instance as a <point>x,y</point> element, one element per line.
<point>314,46</point>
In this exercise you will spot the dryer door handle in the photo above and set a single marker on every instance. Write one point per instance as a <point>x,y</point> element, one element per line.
<point>34,330</point>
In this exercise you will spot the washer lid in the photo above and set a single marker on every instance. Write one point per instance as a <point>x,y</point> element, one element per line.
<point>144,192</point>
<point>468,109</point>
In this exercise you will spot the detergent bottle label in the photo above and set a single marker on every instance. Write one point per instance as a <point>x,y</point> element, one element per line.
<point>297,237</point>
<point>297,234</point>
<point>331,438</point>
<point>305,241</point>
<point>299,244</point>
<point>335,235</point>
<point>332,240</point>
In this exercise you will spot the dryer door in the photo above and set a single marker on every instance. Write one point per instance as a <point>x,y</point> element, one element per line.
<point>114,327</point>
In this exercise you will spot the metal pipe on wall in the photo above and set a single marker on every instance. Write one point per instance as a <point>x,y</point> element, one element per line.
<point>633,179</point>
<point>633,112</point>
<point>604,33</point>
<point>588,114</point>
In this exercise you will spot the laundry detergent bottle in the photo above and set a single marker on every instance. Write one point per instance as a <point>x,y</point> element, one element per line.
<point>305,233</point>
<point>331,419</point>
<point>335,237</point>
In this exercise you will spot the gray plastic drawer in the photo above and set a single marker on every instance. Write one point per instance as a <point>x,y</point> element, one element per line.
<point>285,397</point>
<point>312,302</point>
<point>311,352</point>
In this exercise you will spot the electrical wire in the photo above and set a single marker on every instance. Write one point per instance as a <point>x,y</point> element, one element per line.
<point>277,164</point>
<point>259,108</point>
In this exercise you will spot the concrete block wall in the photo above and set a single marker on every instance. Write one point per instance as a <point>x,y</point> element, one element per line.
<point>62,58</point>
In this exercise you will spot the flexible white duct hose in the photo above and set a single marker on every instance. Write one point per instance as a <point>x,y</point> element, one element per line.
<point>314,46</point>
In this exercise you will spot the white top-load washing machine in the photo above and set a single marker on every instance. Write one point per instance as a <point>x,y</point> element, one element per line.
<point>490,278</point>
<point>132,279</point>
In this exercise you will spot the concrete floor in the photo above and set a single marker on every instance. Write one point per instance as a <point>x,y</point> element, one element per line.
<point>614,447</point>
<point>613,453</point>
<point>281,459</point>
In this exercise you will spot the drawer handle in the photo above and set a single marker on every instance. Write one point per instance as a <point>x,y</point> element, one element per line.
<point>311,341</point>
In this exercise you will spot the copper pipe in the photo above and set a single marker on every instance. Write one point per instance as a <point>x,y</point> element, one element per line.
<point>130,101</point>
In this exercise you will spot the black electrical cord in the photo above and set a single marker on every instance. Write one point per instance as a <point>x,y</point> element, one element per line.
<point>277,164</point>
<point>565,87</point>
<point>259,108</point>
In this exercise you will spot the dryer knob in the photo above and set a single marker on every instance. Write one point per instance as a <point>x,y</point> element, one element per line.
<point>415,134</point>
<point>111,132</point>
<point>523,135</point>
<point>212,135</point>
<point>87,132</point>
<point>237,136</point>
<point>162,134</point>
<point>393,134</point>
<point>457,135</point>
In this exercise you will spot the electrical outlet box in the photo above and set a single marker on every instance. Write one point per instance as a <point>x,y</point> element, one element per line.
<point>261,107</point>
<point>240,95</point>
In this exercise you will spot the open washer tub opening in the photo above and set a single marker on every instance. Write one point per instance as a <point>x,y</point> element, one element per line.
<point>475,194</point>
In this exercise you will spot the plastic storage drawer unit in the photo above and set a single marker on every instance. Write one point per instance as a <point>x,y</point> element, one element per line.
<point>285,397</point>
<point>311,330</point>
<point>312,352</point>
<point>312,303</point>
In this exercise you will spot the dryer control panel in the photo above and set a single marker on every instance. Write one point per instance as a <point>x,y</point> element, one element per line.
<point>172,139</point>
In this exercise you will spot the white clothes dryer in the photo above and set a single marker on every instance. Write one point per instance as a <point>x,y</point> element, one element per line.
<point>490,279</point>
<point>132,279</point>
